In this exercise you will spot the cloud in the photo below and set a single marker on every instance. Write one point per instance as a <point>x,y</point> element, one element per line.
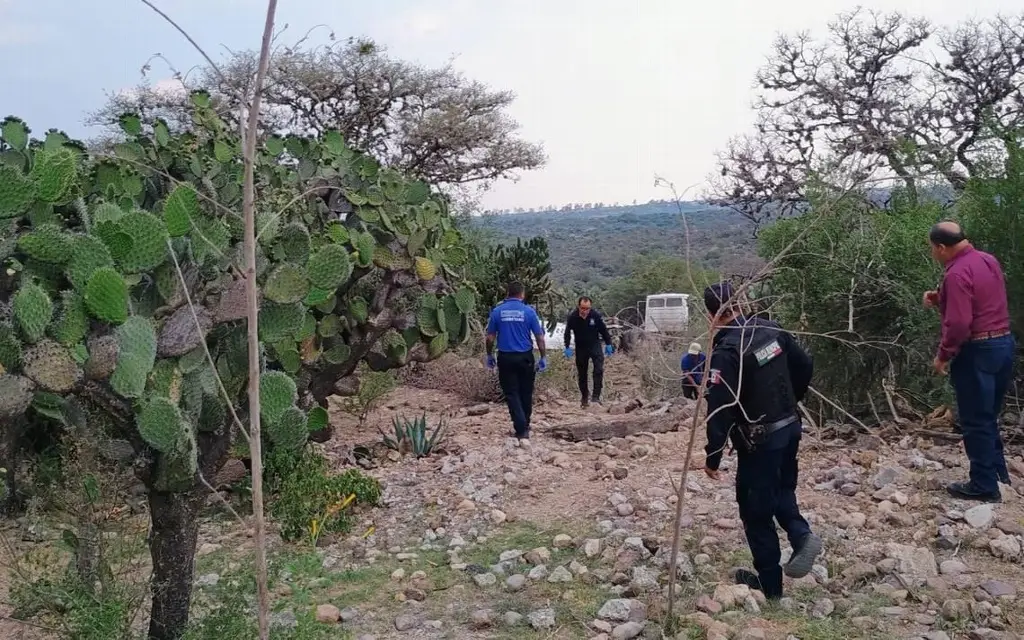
<point>166,86</point>
<point>420,23</point>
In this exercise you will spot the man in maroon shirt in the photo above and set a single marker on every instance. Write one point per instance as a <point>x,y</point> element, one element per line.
<point>977,349</point>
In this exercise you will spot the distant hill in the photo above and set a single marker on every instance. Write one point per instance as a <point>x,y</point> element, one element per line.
<point>592,244</point>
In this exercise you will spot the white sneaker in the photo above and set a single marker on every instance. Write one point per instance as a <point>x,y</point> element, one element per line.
<point>525,443</point>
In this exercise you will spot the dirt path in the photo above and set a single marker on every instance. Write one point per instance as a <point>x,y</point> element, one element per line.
<point>569,540</point>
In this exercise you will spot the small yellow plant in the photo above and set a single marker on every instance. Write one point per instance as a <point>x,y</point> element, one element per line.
<point>316,524</point>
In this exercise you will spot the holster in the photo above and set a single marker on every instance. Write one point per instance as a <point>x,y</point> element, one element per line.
<point>753,436</point>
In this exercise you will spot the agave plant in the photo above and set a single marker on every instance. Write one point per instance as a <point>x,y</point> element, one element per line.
<point>412,435</point>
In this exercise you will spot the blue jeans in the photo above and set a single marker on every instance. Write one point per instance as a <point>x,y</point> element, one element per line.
<point>981,374</point>
<point>766,482</point>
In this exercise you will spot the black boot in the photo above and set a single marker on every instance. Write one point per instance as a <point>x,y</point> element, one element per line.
<point>967,491</point>
<point>768,582</point>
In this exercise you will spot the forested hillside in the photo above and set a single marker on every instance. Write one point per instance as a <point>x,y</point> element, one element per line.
<point>592,245</point>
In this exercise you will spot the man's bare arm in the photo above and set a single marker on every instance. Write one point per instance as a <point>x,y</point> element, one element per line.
<point>541,346</point>
<point>489,343</point>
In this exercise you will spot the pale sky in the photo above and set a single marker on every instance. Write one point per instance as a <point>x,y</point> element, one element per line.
<point>616,91</point>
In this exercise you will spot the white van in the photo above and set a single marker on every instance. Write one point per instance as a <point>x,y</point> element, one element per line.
<point>667,312</point>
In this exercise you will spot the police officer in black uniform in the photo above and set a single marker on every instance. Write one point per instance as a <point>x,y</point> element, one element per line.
<point>763,365</point>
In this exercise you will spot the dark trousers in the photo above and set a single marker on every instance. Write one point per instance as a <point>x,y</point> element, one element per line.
<point>766,493</point>
<point>516,374</point>
<point>689,390</point>
<point>584,356</point>
<point>981,374</point>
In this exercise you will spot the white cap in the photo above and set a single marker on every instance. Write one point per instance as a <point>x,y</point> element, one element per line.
<point>694,348</point>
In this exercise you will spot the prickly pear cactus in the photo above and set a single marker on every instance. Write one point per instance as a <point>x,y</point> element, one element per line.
<point>104,256</point>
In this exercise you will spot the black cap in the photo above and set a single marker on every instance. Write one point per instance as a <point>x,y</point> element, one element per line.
<point>716,295</point>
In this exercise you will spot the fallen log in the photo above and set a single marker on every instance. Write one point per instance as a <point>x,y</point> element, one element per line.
<point>618,427</point>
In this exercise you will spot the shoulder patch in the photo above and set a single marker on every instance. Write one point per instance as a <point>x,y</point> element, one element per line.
<point>714,376</point>
<point>767,353</point>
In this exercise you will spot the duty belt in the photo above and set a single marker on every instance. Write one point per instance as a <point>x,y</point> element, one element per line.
<point>755,434</point>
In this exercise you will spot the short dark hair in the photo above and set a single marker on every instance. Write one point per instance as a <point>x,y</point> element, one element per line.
<point>942,235</point>
<point>515,289</point>
<point>716,296</point>
<point>584,299</point>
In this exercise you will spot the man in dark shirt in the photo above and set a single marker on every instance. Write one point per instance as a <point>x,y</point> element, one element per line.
<point>588,326</point>
<point>977,349</point>
<point>758,375</point>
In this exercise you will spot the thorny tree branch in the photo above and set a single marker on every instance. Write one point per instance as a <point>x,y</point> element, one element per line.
<point>869,92</point>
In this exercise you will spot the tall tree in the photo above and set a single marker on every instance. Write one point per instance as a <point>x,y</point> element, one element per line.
<point>884,96</point>
<point>431,123</point>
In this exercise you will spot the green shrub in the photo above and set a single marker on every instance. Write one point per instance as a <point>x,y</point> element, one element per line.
<point>852,285</point>
<point>310,500</point>
<point>374,386</point>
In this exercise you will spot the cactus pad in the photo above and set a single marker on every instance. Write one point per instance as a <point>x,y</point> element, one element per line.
<point>425,269</point>
<point>385,258</point>
<point>329,267</point>
<point>394,345</point>
<point>317,419</point>
<point>88,253</point>
<point>165,380</point>
<point>52,367</point>
<point>179,334</point>
<point>337,353</point>
<point>438,344</point>
<point>278,321</point>
<point>181,205</point>
<point>136,346</point>
<point>465,299</point>
<point>102,357</point>
<point>290,430</point>
<point>107,212</point>
<point>277,394</point>
<point>15,396</point>
<point>33,311</point>
<point>55,175</point>
<point>106,296</point>
<point>452,315</point>
<point>214,413</point>
<point>161,424</point>
<point>293,243</point>
<point>14,132</point>
<point>148,247</point>
<point>358,308</point>
<point>72,322</point>
<point>364,245</point>
<point>426,316</point>
<point>17,193</point>
<point>48,243</point>
<point>176,471</point>
<point>10,348</point>
<point>286,284</point>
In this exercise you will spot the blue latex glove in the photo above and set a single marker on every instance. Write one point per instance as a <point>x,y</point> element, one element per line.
<point>542,365</point>
<point>608,349</point>
<point>568,352</point>
<point>491,361</point>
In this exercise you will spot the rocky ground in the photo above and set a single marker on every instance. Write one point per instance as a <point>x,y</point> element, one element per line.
<point>572,540</point>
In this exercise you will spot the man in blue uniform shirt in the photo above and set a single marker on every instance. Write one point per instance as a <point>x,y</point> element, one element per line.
<point>758,375</point>
<point>510,326</point>
<point>692,365</point>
